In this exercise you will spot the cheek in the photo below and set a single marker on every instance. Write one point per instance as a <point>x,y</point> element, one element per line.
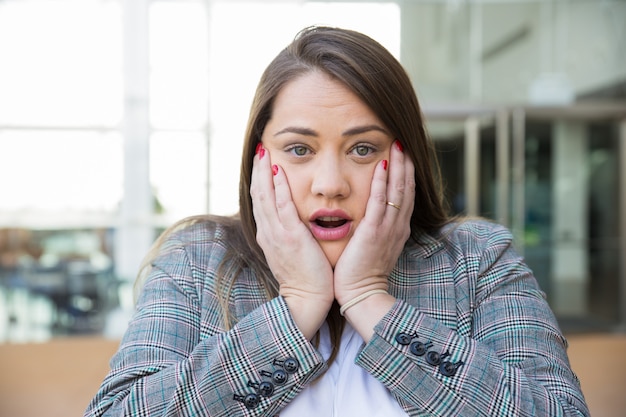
<point>360,192</point>
<point>299,187</point>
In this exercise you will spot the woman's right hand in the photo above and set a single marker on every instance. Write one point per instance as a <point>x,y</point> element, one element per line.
<point>297,261</point>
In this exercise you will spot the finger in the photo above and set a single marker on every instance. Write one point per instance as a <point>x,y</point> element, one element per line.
<point>262,191</point>
<point>396,183</point>
<point>376,204</point>
<point>409,188</point>
<point>285,207</point>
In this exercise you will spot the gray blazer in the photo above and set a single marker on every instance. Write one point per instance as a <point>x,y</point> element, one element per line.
<point>470,335</point>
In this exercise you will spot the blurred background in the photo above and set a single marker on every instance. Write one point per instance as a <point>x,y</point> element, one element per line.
<point>118,118</point>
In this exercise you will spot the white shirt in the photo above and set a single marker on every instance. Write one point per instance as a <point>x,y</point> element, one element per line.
<point>345,389</point>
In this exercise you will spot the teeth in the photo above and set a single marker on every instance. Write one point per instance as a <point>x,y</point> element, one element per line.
<point>329,219</point>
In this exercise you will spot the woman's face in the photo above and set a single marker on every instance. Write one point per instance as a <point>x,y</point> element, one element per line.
<point>328,143</point>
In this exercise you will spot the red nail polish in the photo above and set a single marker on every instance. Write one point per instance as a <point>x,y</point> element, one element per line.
<point>261,153</point>
<point>385,163</point>
<point>399,145</point>
<point>274,169</point>
<point>258,148</point>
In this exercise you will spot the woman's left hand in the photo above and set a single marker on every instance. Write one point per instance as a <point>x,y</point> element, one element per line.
<point>373,250</point>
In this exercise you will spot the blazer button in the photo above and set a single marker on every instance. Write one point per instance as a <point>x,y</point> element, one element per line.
<point>266,388</point>
<point>448,368</point>
<point>403,338</point>
<point>433,358</point>
<point>291,365</point>
<point>251,401</point>
<point>279,377</point>
<point>419,348</point>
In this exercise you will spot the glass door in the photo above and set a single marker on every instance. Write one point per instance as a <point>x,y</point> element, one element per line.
<point>556,178</point>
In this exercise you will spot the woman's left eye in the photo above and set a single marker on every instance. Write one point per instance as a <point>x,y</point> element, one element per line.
<point>363,150</point>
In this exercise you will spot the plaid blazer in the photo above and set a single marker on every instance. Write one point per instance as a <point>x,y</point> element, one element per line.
<point>470,335</point>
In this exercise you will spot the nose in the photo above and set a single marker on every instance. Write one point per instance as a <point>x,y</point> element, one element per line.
<point>330,179</point>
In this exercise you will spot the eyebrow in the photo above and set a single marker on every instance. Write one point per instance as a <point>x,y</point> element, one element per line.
<point>350,132</point>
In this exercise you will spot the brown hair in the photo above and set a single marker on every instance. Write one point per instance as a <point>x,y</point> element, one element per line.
<point>375,76</point>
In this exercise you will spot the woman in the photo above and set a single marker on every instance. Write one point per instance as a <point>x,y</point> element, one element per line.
<point>342,288</point>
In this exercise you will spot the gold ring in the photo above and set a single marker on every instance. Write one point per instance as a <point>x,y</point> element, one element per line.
<point>389,203</point>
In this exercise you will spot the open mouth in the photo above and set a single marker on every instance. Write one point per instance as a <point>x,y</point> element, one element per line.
<point>330,225</point>
<point>329,222</point>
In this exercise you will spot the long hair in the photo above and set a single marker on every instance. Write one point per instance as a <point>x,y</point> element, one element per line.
<point>376,77</point>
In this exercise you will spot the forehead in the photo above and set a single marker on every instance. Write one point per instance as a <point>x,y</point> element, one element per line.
<point>320,92</point>
<point>313,85</point>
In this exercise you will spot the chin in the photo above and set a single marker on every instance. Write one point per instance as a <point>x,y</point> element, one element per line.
<point>333,252</point>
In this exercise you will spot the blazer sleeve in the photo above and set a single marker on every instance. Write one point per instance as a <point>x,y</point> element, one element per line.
<point>513,361</point>
<point>174,361</point>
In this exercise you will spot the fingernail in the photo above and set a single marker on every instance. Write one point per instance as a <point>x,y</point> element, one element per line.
<point>261,153</point>
<point>258,148</point>
<point>385,164</point>
<point>274,169</point>
<point>399,145</point>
